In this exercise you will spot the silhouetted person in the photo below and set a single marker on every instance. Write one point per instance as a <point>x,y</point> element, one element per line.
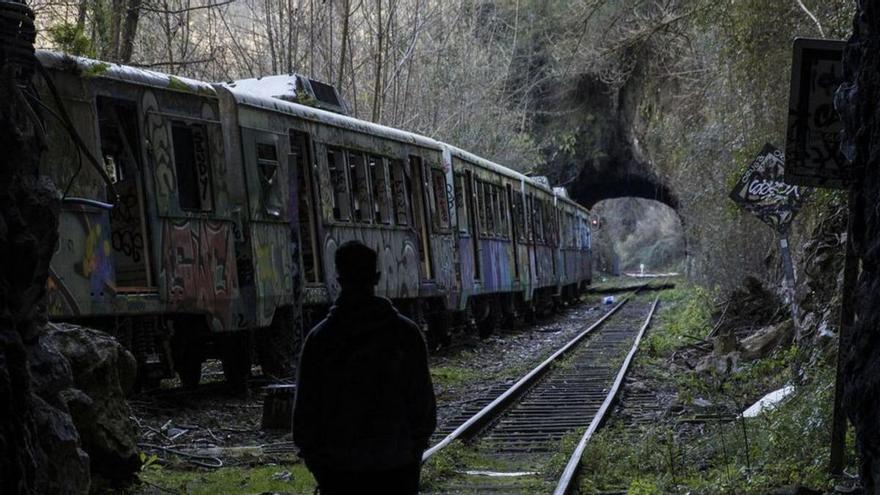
<point>365,405</point>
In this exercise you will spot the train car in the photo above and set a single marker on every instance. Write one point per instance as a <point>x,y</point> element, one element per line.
<point>201,220</point>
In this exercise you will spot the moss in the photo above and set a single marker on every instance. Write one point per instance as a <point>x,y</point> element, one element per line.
<point>96,70</point>
<point>177,84</point>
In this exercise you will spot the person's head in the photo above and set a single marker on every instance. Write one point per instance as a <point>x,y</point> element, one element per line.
<point>356,267</point>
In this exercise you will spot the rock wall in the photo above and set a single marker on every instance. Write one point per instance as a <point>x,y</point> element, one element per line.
<point>39,445</point>
<point>860,107</point>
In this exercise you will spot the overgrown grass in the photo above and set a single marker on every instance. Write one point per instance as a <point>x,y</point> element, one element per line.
<point>788,445</point>
<point>231,480</point>
<point>686,317</point>
<point>452,376</point>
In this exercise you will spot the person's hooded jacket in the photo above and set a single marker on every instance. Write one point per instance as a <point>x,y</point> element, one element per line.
<point>364,398</point>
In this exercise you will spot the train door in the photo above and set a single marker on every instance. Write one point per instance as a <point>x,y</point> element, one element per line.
<point>120,148</point>
<point>310,253</point>
<point>419,187</point>
<point>513,230</point>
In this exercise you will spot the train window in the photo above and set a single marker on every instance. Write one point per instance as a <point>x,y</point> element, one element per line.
<point>538,215</point>
<point>461,203</point>
<point>341,201</point>
<point>399,191</point>
<point>359,188</point>
<point>441,199</point>
<point>502,214</point>
<point>489,205</point>
<point>192,166</point>
<point>496,210</point>
<point>381,194</point>
<point>481,207</point>
<point>270,182</point>
<point>517,214</point>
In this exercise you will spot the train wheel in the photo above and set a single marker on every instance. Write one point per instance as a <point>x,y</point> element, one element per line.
<point>277,344</point>
<point>438,330</point>
<point>235,354</point>
<point>486,325</point>
<point>188,349</point>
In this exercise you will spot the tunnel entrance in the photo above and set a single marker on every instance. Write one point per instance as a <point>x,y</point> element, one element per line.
<point>630,233</point>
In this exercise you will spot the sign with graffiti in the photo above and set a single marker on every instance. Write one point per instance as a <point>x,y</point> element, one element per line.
<point>763,191</point>
<point>812,150</point>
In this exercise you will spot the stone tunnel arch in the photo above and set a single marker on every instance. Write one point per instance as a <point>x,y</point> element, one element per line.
<point>590,192</point>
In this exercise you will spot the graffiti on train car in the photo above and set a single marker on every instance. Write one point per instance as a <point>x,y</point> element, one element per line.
<point>496,264</point>
<point>198,266</point>
<point>398,260</point>
<point>274,268</point>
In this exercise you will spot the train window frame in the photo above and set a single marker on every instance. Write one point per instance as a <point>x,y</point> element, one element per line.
<point>337,171</point>
<point>381,199</point>
<point>359,187</point>
<point>518,214</point>
<point>503,213</point>
<point>400,192</point>
<point>442,222</point>
<point>269,172</point>
<point>461,205</point>
<point>199,181</point>
<point>480,207</point>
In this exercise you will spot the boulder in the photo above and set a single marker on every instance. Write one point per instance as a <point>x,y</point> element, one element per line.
<point>103,374</point>
<point>67,465</point>
<point>767,339</point>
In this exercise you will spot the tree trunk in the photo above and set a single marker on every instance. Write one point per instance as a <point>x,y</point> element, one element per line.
<point>858,105</point>
<point>129,30</point>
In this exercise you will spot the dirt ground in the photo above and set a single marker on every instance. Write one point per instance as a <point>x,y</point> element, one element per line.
<point>211,440</point>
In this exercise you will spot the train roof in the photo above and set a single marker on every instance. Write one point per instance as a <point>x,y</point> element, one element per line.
<point>87,67</point>
<point>246,95</point>
<point>260,99</point>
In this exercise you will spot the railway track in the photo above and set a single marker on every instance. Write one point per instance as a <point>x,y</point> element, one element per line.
<point>520,434</point>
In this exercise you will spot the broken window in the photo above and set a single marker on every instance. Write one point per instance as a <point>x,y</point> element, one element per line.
<point>270,180</point>
<point>381,193</point>
<point>441,200</point>
<point>192,166</point>
<point>400,193</point>
<point>360,192</point>
<point>340,196</point>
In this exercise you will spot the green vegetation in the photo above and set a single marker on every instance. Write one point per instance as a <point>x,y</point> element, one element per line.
<point>784,446</point>
<point>449,376</point>
<point>687,319</point>
<point>177,84</point>
<point>71,38</point>
<point>293,478</point>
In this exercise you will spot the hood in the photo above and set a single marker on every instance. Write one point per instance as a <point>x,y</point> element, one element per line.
<point>361,314</point>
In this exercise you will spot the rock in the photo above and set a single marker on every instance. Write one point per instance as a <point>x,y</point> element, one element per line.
<point>724,365</point>
<point>51,379</point>
<point>103,373</point>
<point>725,342</point>
<point>767,339</point>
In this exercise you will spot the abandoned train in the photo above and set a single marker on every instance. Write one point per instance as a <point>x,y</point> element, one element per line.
<point>201,220</point>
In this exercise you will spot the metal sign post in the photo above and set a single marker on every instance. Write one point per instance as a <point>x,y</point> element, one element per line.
<point>814,158</point>
<point>763,192</point>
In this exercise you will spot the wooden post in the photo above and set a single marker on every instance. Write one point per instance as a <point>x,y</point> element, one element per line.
<point>847,319</point>
<point>790,284</point>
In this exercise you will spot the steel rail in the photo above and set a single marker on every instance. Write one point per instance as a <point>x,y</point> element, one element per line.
<point>568,475</point>
<point>488,413</point>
